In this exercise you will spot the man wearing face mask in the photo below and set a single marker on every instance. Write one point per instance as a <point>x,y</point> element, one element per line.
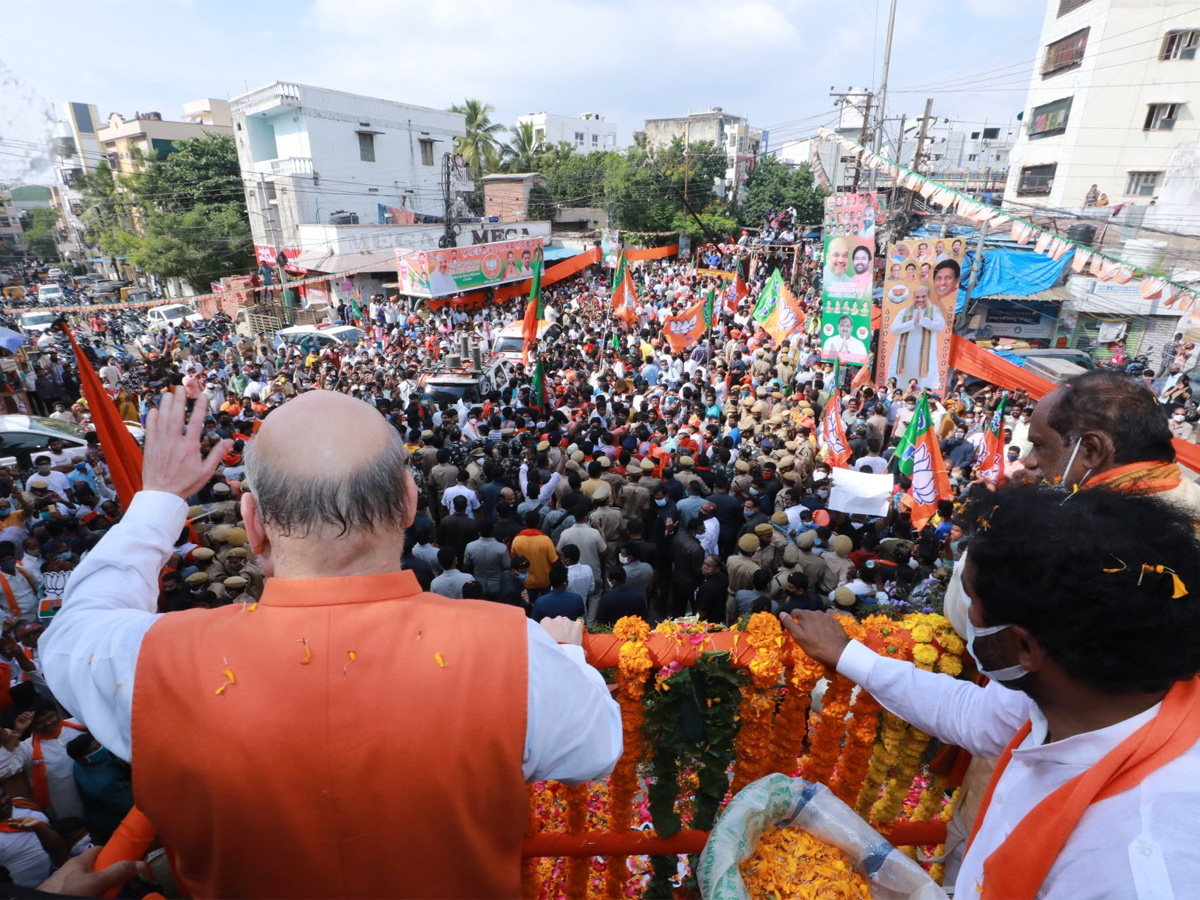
<point>1094,703</point>
<point>43,471</point>
<point>19,586</point>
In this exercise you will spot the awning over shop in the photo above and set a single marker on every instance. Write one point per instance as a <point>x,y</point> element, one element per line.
<point>321,261</point>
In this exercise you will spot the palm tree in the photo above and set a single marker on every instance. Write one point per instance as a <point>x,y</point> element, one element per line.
<point>480,148</point>
<point>521,153</point>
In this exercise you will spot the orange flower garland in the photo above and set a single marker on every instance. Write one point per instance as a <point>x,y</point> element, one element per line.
<point>859,748</point>
<point>757,710</point>
<point>791,723</point>
<point>826,744</point>
<point>576,796</point>
<point>633,667</point>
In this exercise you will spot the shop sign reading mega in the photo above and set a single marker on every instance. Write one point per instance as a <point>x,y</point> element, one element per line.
<point>442,273</point>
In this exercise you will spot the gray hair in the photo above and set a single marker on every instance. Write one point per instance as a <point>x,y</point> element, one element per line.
<point>368,499</point>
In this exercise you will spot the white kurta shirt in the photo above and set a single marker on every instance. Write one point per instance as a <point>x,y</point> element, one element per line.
<point>1137,844</point>
<point>60,769</point>
<point>90,654</point>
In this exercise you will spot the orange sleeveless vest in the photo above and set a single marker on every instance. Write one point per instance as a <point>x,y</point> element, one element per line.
<point>345,737</point>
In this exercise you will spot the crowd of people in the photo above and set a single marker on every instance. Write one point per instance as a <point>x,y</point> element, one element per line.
<point>642,482</point>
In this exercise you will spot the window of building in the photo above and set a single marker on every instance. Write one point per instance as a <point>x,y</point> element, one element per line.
<point>579,138</point>
<point>1065,53</point>
<point>1065,6</point>
<point>974,135</point>
<point>1142,184</point>
<point>971,157</point>
<point>426,152</point>
<point>366,146</point>
<point>1050,118</point>
<point>1162,116</point>
<point>1180,45</point>
<point>991,134</point>
<point>1036,180</point>
<point>595,140</point>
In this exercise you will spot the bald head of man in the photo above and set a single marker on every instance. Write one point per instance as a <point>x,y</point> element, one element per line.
<point>330,493</point>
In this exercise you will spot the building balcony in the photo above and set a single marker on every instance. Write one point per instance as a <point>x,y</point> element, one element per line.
<point>287,165</point>
<point>273,96</point>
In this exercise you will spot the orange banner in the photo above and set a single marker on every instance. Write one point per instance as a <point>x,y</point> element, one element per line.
<point>652,252</point>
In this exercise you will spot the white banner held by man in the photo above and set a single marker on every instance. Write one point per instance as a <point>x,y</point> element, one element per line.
<point>860,492</point>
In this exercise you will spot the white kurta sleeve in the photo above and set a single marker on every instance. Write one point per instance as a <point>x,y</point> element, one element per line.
<point>89,653</point>
<point>13,761</point>
<point>980,720</point>
<point>573,730</point>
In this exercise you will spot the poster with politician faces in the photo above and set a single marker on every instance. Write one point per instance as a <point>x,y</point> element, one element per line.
<point>848,276</point>
<point>920,295</point>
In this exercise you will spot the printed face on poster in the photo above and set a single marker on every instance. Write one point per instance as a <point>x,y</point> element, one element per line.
<point>440,273</point>
<point>848,276</point>
<point>920,293</point>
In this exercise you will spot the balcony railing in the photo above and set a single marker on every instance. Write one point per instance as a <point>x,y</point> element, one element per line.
<point>279,94</point>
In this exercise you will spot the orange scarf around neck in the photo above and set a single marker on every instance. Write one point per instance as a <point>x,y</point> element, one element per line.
<point>1017,868</point>
<point>41,789</point>
<point>1139,478</point>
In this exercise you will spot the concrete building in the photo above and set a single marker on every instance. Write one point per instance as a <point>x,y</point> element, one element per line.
<point>741,142</point>
<point>315,159</point>
<point>11,244</point>
<point>587,132</point>
<point>1114,92</point>
<point>76,151</point>
<point>125,143</point>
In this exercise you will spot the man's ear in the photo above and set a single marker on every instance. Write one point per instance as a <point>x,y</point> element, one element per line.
<point>256,532</point>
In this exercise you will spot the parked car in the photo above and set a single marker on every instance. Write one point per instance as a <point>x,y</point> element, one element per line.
<point>510,342</point>
<point>35,322</point>
<point>55,273</point>
<point>331,335</point>
<point>50,293</point>
<point>24,437</point>
<point>172,315</point>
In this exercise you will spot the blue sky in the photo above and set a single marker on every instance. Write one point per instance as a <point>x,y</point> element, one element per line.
<point>774,62</point>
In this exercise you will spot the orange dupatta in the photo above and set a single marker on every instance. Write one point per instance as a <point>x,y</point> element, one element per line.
<point>1139,478</point>
<point>41,790</point>
<point>1017,868</point>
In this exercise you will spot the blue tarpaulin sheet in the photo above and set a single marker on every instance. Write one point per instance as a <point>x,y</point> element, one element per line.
<point>1013,273</point>
<point>554,253</point>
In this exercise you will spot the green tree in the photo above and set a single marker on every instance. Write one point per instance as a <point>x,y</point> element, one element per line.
<point>524,151</point>
<point>181,215</point>
<point>40,237</point>
<point>481,145</point>
<point>541,204</point>
<point>775,185</point>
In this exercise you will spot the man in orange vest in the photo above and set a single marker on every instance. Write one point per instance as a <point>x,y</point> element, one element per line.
<point>392,730</point>
<point>1093,702</point>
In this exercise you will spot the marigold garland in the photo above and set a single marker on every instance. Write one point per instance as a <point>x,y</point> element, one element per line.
<point>576,796</point>
<point>938,870</point>
<point>757,709</point>
<point>633,668</point>
<point>826,744</point>
<point>791,722</point>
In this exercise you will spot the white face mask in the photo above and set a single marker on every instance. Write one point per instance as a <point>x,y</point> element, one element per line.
<point>1071,462</point>
<point>1008,673</point>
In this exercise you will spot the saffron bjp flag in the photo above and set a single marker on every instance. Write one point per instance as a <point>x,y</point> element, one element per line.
<point>862,378</point>
<point>831,433</point>
<point>991,456</point>
<point>121,452</point>
<point>737,290</point>
<point>624,295</point>
<point>920,458</point>
<point>535,310</point>
<point>686,328</point>
<point>786,318</point>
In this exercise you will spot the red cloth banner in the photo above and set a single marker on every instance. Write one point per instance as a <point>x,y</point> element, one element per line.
<point>121,452</point>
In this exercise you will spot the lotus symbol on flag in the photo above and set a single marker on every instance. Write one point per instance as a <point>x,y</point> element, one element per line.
<point>787,318</point>
<point>682,326</point>
<point>924,490</point>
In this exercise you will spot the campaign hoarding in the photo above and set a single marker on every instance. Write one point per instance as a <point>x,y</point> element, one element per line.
<point>441,273</point>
